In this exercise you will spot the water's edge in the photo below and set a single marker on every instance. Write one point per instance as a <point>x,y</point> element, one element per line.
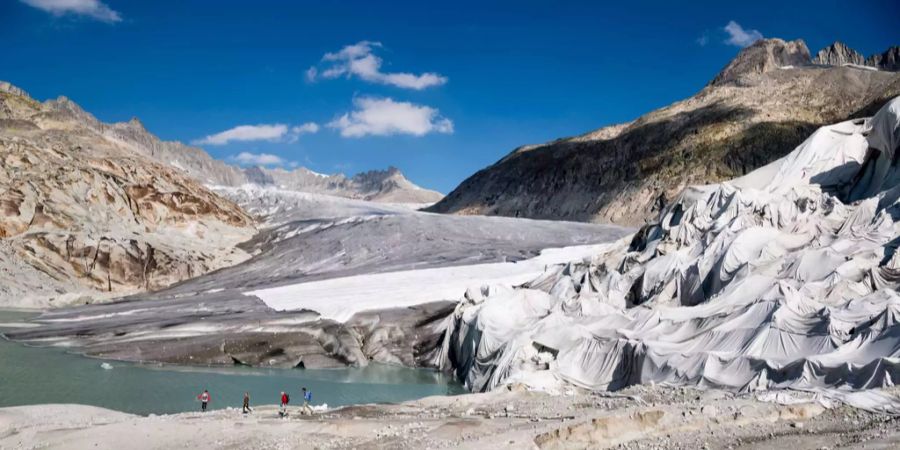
<point>31,375</point>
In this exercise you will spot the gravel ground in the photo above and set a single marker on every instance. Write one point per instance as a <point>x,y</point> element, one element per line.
<point>640,417</point>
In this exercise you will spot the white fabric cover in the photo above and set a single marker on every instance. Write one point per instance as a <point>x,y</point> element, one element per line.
<point>784,278</point>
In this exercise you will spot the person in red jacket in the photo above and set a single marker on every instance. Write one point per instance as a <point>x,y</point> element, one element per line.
<point>204,400</point>
<point>284,402</point>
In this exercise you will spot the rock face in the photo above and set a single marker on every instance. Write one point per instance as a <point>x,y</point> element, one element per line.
<point>84,215</point>
<point>764,103</point>
<point>382,186</point>
<point>838,54</point>
<point>784,278</point>
<point>191,160</point>
<point>889,60</point>
<point>763,56</point>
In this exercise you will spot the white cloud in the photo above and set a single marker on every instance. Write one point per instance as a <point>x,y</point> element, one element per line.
<point>740,37</point>
<point>311,74</point>
<point>297,130</point>
<point>358,60</point>
<point>703,40</point>
<point>262,132</point>
<point>308,127</point>
<point>258,159</point>
<point>384,117</point>
<point>246,133</point>
<point>90,8</point>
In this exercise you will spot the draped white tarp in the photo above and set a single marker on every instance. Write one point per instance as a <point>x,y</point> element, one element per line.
<point>784,278</point>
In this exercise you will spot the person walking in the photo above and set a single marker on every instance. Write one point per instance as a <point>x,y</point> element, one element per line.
<point>204,398</point>
<point>247,403</point>
<point>285,399</point>
<point>307,399</point>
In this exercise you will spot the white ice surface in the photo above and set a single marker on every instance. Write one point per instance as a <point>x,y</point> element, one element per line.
<point>340,298</point>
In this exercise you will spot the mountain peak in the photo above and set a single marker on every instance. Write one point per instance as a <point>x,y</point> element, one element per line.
<point>9,88</point>
<point>390,172</point>
<point>135,122</point>
<point>838,54</point>
<point>391,185</point>
<point>763,56</point>
<point>378,177</point>
<point>889,60</point>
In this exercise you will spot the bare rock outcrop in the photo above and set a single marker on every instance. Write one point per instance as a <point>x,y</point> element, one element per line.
<point>838,54</point>
<point>85,216</point>
<point>888,60</point>
<point>765,55</point>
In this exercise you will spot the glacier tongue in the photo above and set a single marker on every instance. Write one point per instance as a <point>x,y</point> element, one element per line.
<point>784,278</point>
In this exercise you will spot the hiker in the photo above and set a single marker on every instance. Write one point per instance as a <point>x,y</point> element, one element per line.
<point>247,403</point>
<point>284,402</point>
<point>204,400</point>
<point>307,398</point>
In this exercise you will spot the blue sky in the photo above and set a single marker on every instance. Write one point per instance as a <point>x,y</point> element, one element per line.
<point>439,90</point>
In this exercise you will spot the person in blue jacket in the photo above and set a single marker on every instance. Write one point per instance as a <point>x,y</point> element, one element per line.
<point>307,399</point>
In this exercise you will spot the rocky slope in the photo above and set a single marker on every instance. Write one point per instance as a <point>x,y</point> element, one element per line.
<point>86,216</point>
<point>764,103</point>
<point>378,185</point>
<point>762,58</point>
<point>90,210</point>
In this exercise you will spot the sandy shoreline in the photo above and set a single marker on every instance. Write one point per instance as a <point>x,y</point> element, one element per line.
<point>638,417</point>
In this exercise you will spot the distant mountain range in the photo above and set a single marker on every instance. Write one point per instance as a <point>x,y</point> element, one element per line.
<point>377,185</point>
<point>757,109</point>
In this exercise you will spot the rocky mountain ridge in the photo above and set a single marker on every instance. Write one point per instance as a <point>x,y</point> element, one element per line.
<point>84,216</point>
<point>389,186</point>
<point>377,185</point>
<point>762,57</point>
<point>763,103</point>
<point>839,54</point>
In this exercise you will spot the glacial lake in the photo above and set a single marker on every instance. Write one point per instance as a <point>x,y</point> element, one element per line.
<point>38,375</point>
